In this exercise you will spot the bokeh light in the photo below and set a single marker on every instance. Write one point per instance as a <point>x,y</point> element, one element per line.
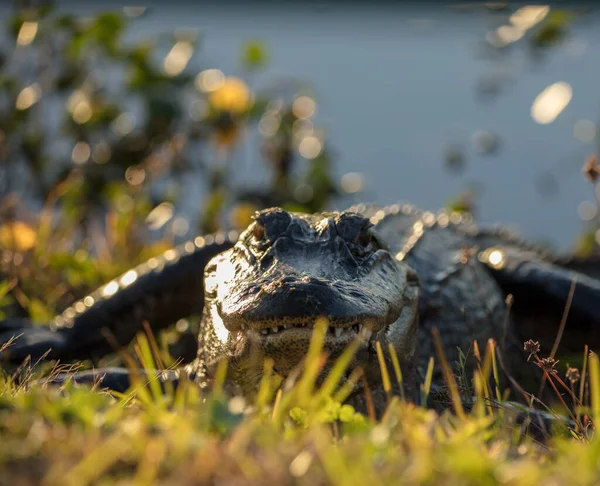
<point>496,259</point>
<point>269,124</point>
<point>123,124</point>
<point>160,215</point>
<point>352,182</point>
<point>135,175</point>
<point>82,113</point>
<point>304,107</point>
<point>232,95</point>
<point>28,97</point>
<point>587,210</point>
<point>551,102</point>
<point>520,22</point>
<point>209,80</point>
<point>27,33</point>
<point>180,226</point>
<point>526,17</point>
<point>128,278</point>
<point>81,153</point>
<point>504,35</point>
<point>310,147</point>
<point>110,289</point>
<point>177,58</point>
<point>17,235</point>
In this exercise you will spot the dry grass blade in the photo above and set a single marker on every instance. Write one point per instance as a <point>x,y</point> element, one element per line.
<point>336,374</point>
<point>397,369</point>
<point>448,375</point>
<point>586,352</point>
<point>564,404</point>
<point>276,405</point>
<point>348,385</point>
<point>528,397</point>
<point>493,348</point>
<point>426,386</point>
<point>153,345</point>
<point>368,399</point>
<point>10,342</point>
<point>385,376</point>
<point>264,388</point>
<point>561,329</point>
<point>481,376</point>
<point>510,300</point>
<point>594,384</point>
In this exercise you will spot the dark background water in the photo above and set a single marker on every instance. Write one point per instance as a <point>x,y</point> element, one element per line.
<point>397,84</point>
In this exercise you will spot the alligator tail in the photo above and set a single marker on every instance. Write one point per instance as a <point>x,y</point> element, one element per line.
<point>157,293</point>
<point>20,339</point>
<point>589,266</point>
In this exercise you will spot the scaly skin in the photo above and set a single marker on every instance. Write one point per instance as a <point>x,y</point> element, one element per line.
<point>263,296</point>
<point>377,274</point>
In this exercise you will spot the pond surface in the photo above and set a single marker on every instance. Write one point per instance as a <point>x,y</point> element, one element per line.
<point>396,85</point>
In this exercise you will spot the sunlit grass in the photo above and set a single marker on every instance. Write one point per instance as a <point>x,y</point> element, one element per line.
<point>296,431</point>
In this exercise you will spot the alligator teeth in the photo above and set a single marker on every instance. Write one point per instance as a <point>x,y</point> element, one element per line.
<point>359,329</point>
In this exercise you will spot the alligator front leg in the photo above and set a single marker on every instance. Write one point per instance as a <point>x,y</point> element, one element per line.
<point>159,292</point>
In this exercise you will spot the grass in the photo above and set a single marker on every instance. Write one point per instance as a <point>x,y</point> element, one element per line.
<point>295,432</point>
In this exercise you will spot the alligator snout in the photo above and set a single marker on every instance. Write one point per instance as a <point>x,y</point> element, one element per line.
<point>288,270</point>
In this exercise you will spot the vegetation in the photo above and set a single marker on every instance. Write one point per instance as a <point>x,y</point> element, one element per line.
<point>98,136</point>
<point>289,433</point>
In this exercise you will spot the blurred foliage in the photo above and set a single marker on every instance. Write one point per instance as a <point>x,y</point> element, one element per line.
<point>101,137</point>
<point>107,140</point>
<point>296,431</point>
<point>520,39</point>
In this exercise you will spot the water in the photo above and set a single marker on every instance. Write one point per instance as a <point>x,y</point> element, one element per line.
<point>396,84</point>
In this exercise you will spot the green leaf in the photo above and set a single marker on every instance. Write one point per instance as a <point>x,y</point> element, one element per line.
<point>552,30</point>
<point>347,413</point>
<point>299,416</point>
<point>254,55</point>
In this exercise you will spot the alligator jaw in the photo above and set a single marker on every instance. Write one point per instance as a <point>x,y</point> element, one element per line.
<point>303,330</point>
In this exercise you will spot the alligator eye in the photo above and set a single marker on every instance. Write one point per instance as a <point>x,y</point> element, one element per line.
<point>258,231</point>
<point>364,238</point>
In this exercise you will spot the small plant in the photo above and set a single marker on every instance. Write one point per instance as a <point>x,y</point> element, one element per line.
<point>98,186</point>
<point>290,432</point>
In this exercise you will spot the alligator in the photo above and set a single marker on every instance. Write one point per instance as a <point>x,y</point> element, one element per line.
<point>377,274</point>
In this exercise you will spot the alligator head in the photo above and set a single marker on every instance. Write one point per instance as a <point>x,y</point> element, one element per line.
<point>262,296</point>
